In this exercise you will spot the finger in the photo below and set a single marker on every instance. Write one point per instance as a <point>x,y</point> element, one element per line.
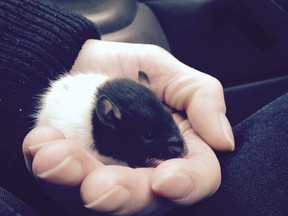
<point>37,138</point>
<point>202,98</point>
<point>121,191</point>
<point>63,162</point>
<point>186,181</point>
<point>116,190</point>
<point>60,166</point>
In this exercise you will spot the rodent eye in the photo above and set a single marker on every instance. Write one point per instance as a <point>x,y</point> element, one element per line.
<point>148,135</point>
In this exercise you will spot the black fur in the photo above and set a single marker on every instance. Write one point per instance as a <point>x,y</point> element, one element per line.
<point>130,124</point>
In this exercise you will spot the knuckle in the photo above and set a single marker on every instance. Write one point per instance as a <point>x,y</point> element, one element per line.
<point>214,84</point>
<point>211,89</point>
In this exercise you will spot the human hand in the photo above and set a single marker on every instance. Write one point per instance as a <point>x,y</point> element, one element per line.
<point>63,167</point>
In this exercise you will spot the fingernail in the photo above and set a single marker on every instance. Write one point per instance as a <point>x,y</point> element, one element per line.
<point>116,199</point>
<point>68,172</point>
<point>227,131</point>
<point>174,186</point>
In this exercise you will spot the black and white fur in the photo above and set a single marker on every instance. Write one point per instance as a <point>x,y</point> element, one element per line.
<point>119,120</point>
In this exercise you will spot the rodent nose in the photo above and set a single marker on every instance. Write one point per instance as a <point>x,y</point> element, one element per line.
<point>184,151</point>
<point>176,149</point>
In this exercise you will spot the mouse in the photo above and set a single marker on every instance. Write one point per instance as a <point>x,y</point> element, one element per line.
<point>119,120</point>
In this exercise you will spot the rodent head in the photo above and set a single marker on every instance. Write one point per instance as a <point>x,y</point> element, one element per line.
<point>143,128</point>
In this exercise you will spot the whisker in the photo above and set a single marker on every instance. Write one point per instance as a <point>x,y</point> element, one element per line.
<point>150,162</point>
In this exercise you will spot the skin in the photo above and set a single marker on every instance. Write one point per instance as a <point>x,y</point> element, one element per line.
<point>62,167</point>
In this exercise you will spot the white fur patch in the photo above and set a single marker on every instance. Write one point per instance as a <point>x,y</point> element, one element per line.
<point>68,106</point>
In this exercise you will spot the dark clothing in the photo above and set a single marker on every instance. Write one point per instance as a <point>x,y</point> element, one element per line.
<point>39,41</point>
<point>255,175</point>
<point>11,206</point>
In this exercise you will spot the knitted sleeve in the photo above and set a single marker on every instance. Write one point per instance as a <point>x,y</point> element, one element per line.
<point>38,41</point>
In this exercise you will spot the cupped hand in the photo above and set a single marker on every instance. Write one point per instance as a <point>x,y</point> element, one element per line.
<point>80,183</point>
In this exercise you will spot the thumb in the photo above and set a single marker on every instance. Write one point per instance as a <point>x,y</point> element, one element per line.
<point>201,96</point>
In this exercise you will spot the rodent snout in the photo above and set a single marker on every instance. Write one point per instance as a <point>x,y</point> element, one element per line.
<point>175,149</point>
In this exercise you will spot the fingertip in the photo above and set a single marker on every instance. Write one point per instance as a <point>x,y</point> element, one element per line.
<point>63,162</point>
<point>228,134</point>
<point>56,163</point>
<point>119,190</point>
<point>69,172</point>
<point>214,129</point>
<point>116,199</point>
<point>220,137</point>
<point>40,135</point>
<point>103,191</point>
<point>36,139</point>
<point>171,182</point>
<point>187,181</point>
<point>184,187</point>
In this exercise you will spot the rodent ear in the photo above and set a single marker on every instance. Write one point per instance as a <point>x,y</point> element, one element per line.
<point>107,112</point>
<point>143,79</point>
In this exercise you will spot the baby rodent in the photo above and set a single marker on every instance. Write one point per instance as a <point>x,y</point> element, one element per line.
<point>121,121</point>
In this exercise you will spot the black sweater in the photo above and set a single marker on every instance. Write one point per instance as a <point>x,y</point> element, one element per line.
<point>38,41</point>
